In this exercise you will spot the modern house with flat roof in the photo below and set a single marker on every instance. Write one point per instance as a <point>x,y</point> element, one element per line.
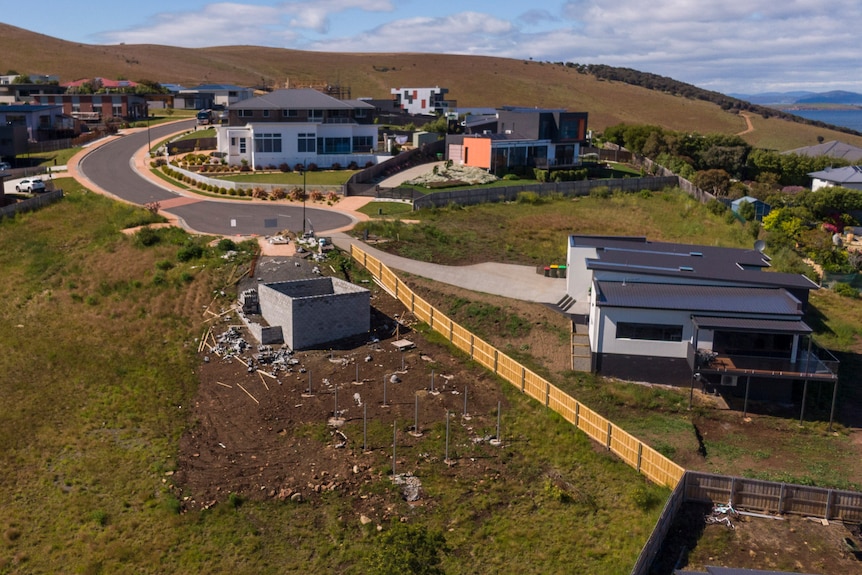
<point>682,314</point>
<point>298,126</point>
<point>520,137</point>
<point>208,96</point>
<point>422,101</point>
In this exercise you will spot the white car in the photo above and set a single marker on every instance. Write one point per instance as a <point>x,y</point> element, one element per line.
<point>31,186</point>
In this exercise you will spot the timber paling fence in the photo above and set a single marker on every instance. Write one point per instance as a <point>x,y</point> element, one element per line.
<point>633,451</point>
<point>748,494</point>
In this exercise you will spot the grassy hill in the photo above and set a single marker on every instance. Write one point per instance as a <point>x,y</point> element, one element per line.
<point>472,81</point>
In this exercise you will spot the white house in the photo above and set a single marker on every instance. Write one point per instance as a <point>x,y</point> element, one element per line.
<point>298,126</point>
<point>846,177</point>
<point>674,313</point>
<point>422,101</point>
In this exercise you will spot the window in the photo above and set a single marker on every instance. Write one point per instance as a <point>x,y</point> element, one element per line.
<point>266,113</point>
<point>334,145</point>
<point>242,149</point>
<point>290,113</point>
<point>315,115</point>
<point>267,143</point>
<point>360,113</point>
<point>117,110</point>
<point>305,143</point>
<point>363,143</point>
<point>649,331</point>
<point>246,113</point>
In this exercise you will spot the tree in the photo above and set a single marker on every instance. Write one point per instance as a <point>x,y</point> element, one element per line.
<point>715,182</point>
<point>409,550</point>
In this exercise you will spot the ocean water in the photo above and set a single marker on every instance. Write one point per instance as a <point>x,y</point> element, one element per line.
<point>847,118</point>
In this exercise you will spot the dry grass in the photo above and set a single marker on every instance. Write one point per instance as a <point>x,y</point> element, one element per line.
<point>472,81</point>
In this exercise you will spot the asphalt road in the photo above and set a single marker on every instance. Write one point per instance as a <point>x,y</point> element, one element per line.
<point>110,167</point>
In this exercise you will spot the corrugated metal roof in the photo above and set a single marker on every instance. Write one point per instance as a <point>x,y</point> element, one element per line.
<point>697,298</point>
<point>703,263</point>
<point>298,99</point>
<point>749,324</point>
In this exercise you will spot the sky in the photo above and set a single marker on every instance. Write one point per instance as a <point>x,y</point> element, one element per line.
<point>730,46</point>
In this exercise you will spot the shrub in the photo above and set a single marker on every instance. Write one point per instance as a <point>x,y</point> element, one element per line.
<point>277,194</point>
<point>716,207</point>
<point>226,245</point>
<point>284,167</point>
<point>332,197</point>
<point>511,177</point>
<point>312,167</point>
<point>336,166</point>
<point>315,195</point>
<point>531,198</point>
<point>601,192</point>
<point>190,252</point>
<point>164,265</point>
<point>846,290</point>
<point>299,168</point>
<point>353,165</point>
<point>147,236</point>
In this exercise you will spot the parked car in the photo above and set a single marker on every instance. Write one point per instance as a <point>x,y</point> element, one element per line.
<point>32,185</point>
<point>4,166</point>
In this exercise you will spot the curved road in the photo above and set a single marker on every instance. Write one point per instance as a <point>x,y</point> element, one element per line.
<point>111,168</point>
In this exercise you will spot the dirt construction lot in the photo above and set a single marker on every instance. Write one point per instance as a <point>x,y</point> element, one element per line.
<point>319,423</point>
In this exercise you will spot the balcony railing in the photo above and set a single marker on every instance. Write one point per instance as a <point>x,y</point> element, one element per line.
<point>819,363</point>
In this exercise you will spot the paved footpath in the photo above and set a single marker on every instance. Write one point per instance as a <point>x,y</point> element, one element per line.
<point>508,280</point>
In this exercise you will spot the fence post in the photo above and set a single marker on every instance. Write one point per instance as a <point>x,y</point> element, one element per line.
<point>828,504</point>
<point>451,329</point>
<point>523,379</point>
<point>413,302</point>
<point>396,287</point>
<point>431,318</point>
<point>609,435</point>
<point>495,359</point>
<point>471,345</point>
<point>781,500</point>
<point>732,489</point>
<point>547,393</point>
<point>577,414</point>
<point>640,454</point>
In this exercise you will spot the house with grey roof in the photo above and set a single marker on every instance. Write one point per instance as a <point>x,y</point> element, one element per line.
<point>298,126</point>
<point>833,149</point>
<point>846,177</point>
<point>704,316</point>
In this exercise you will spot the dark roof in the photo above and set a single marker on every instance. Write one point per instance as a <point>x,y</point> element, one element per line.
<point>752,324</point>
<point>27,108</point>
<point>299,99</point>
<point>697,298</point>
<point>689,262</point>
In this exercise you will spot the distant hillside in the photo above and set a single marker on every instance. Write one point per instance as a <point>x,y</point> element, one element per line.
<point>790,98</point>
<point>610,95</point>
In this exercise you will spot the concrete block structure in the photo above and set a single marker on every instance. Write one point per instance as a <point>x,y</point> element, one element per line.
<point>312,312</point>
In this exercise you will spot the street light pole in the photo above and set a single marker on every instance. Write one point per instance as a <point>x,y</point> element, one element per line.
<point>304,170</point>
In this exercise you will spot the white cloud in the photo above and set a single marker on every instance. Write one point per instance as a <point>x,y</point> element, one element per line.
<point>720,45</point>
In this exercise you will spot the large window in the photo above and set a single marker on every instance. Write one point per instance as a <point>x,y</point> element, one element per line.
<point>315,115</point>
<point>267,143</point>
<point>305,142</point>
<point>246,113</point>
<point>649,331</point>
<point>333,145</point>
